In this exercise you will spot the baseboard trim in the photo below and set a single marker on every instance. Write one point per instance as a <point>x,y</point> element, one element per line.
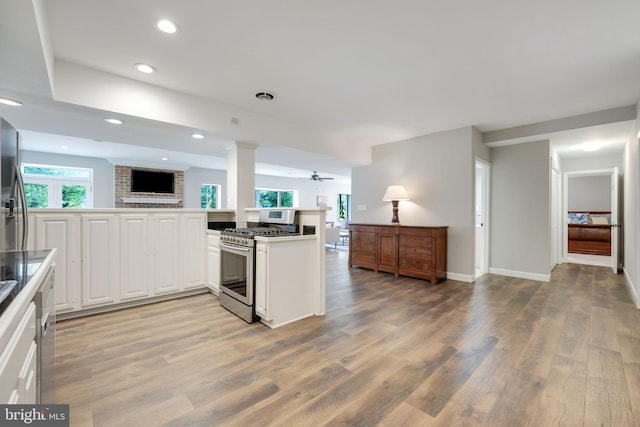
<point>460,277</point>
<point>631,287</point>
<point>521,274</point>
<point>134,303</point>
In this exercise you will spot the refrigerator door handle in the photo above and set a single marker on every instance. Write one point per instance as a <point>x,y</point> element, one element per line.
<point>23,205</point>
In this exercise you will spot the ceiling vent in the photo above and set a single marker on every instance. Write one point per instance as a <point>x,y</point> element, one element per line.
<point>265,96</point>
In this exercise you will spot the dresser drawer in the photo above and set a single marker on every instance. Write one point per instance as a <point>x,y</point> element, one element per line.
<point>416,242</point>
<point>363,257</point>
<point>417,265</point>
<point>416,253</point>
<point>363,241</point>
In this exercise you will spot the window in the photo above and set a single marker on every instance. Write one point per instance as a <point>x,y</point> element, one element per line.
<point>344,207</point>
<point>209,196</point>
<point>58,186</point>
<point>274,198</point>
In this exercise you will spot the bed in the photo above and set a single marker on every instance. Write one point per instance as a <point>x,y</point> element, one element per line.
<point>590,232</point>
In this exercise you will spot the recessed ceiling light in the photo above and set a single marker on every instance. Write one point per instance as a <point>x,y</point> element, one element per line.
<point>197,136</point>
<point>64,147</point>
<point>265,96</point>
<point>114,121</point>
<point>166,26</point>
<point>591,146</point>
<point>145,68</point>
<point>11,102</point>
<point>165,159</point>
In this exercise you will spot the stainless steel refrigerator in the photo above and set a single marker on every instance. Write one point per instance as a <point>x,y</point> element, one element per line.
<point>14,234</point>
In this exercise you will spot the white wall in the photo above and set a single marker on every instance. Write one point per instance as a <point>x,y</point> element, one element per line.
<point>308,190</point>
<point>193,180</point>
<point>103,182</point>
<point>438,172</point>
<point>631,210</point>
<point>103,178</point>
<point>520,210</point>
<point>579,164</point>
<point>589,193</point>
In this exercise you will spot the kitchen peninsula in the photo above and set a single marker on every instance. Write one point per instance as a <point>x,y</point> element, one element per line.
<point>115,258</point>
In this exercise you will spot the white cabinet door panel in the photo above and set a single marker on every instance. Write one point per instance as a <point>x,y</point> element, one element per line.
<point>134,256</point>
<point>62,231</point>
<point>166,253</point>
<point>193,232</point>
<point>99,259</point>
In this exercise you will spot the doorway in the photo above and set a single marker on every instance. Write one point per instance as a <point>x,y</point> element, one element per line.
<point>594,191</point>
<point>482,214</point>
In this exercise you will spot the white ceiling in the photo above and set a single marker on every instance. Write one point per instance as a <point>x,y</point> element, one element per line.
<point>346,75</point>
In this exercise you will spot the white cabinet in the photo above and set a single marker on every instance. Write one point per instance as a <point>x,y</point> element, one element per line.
<point>100,266</point>
<point>107,257</point>
<point>62,231</point>
<point>18,362</point>
<point>192,234</point>
<point>134,259</point>
<point>213,263</point>
<point>166,253</point>
<point>286,280</point>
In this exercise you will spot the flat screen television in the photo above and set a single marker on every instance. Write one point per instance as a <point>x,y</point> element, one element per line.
<point>147,181</point>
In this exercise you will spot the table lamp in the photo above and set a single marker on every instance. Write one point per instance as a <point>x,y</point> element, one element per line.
<point>393,194</point>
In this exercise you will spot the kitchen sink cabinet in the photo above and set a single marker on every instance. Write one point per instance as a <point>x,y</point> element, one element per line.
<point>100,263</point>
<point>62,231</point>
<point>412,251</point>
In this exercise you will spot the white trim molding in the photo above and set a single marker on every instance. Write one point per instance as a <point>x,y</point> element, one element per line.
<point>150,200</point>
<point>521,274</point>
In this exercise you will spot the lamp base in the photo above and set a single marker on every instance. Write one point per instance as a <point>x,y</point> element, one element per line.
<point>394,219</point>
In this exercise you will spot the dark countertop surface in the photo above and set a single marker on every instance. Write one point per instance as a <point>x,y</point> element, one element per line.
<point>16,269</point>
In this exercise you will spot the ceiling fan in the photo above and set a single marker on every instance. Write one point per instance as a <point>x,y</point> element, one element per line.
<point>316,177</point>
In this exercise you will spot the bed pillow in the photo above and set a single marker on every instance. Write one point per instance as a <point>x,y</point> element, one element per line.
<point>599,220</point>
<point>578,218</point>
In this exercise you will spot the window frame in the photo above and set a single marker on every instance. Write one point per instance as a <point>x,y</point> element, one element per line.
<point>294,197</point>
<point>218,188</point>
<point>55,184</point>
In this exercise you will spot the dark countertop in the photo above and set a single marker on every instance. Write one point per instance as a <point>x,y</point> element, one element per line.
<point>16,270</point>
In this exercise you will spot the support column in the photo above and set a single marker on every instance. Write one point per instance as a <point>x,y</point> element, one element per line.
<point>241,179</point>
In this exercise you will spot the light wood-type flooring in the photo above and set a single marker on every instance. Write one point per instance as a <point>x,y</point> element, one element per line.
<point>390,352</point>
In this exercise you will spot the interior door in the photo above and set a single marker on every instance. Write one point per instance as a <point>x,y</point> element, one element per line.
<point>615,226</point>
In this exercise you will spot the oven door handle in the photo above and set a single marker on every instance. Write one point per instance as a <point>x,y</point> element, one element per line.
<point>239,250</point>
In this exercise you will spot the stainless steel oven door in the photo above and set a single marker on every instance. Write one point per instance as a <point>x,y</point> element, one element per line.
<point>236,272</point>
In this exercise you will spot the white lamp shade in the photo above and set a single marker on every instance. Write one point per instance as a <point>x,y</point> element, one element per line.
<point>395,192</point>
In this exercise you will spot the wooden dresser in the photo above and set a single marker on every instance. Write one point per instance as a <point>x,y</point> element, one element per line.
<point>413,251</point>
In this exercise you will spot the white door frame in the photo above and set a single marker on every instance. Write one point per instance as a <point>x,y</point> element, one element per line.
<point>611,172</point>
<point>556,215</point>
<point>483,268</point>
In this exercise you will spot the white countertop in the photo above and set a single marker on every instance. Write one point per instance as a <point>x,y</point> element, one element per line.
<point>13,313</point>
<point>288,238</point>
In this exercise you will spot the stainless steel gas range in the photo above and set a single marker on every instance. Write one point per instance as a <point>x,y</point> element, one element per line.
<point>237,260</point>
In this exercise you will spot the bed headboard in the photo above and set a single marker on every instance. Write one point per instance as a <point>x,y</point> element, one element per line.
<point>589,217</point>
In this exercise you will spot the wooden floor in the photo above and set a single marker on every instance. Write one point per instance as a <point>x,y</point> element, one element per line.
<point>390,352</point>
